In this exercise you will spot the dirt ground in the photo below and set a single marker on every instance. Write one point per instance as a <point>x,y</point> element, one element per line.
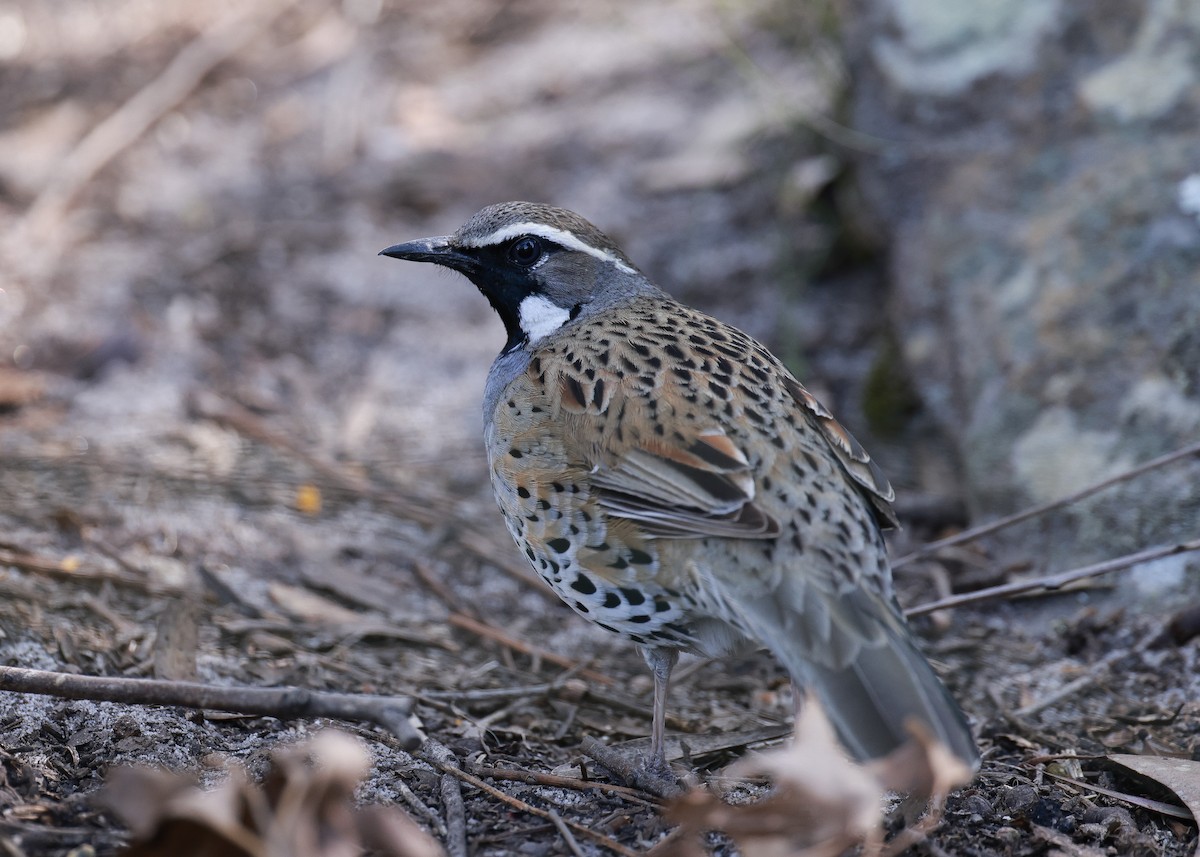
<point>237,447</point>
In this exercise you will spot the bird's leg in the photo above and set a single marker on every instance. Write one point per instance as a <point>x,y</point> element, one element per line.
<point>649,772</point>
<point>661,662</point>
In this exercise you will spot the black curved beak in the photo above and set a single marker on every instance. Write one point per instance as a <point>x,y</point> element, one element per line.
<point>437,250</point>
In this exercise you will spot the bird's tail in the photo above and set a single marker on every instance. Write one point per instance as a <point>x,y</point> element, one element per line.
<point>856,653</point>
<point>872,698</point>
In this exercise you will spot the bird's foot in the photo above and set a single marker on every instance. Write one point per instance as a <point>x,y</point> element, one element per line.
<point>653,774</point>
<point>640,770</point>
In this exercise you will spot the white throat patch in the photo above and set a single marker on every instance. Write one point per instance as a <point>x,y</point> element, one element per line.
<point>540,317</point>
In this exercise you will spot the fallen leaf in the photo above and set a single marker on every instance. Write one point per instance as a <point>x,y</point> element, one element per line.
<point>824,802</point>
<point>305,808</point>
<point>1182,776</point>
<point>308,606</point>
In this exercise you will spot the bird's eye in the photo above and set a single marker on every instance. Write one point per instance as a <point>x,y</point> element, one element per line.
<point>525,251</point>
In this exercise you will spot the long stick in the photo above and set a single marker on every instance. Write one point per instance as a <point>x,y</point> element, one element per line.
<point>286,703</point>
<point>1034,511</point>
<point>132,119</point>
<point>1053,581</point>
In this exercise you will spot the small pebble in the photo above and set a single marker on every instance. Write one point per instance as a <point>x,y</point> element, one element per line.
<point>1018,799</point>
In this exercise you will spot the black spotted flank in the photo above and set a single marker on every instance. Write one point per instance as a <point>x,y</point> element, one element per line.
<point>583,584</point>
<point>559,545</point>
<point>633,596</point>
<point>611,600</point>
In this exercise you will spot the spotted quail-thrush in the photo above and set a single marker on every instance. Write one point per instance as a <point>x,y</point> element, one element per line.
<point>674,483</point>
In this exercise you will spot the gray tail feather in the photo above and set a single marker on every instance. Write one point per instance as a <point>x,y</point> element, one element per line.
<point>871,698</point>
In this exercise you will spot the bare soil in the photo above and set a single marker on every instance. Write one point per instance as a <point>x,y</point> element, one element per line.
<point>237,447</point>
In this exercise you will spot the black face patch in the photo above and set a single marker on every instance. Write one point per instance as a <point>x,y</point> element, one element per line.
<point>504,275</point>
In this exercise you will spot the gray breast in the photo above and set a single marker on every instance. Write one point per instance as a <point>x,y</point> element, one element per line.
<point>507,366</point>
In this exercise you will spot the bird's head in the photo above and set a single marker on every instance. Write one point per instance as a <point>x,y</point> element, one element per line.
<point>541,267</point>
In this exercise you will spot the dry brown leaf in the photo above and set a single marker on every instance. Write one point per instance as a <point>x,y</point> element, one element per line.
<point>824,802</point>
<point>1062,845</point>
<point>924,767</point>
<point>308,606</point>
<point>304,809</point>
<point>1182,776</point>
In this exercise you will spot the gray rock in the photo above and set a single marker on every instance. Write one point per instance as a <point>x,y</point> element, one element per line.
<point>1043,215</point>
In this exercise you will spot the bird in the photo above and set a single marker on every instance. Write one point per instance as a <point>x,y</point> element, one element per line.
<point>672,481</point>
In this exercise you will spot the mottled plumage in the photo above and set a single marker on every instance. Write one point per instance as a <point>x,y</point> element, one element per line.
<point>673,482</point>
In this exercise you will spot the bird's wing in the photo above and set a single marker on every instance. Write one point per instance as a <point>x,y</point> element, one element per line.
<point>854,459</point>
<point>697,484</point>
<point>675,480</point>
<point>668,435</point>
<point>692,488</point>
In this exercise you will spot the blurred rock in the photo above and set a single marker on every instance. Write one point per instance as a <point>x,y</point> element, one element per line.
<point>943,48</point>
<point>1033,173</point>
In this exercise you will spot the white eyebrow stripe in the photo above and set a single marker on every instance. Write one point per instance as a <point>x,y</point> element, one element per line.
<point>541,230</point>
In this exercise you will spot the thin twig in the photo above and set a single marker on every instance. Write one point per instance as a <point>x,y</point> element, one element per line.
<point>484,548</point>
<point>635,708</point>
<point>1095,672</point>
<point>503,694</point>
<point>208,405</point>
<point>456,816</point>
<point>70,568</point>
<point>492,694</point>
<point>132,119</point>
<point>285,703</point>
<point>452,799</point>
<point>669,844</point>
<point>565,833</point>
<point>1158,806</point>
<point>538,778</point>
<point>600,696</point>
<point>1053,581</point>
<point>631,769</point>
<point>491,632</point>
<point>205,404</point>
<point>441,590</point>
<point>428,814</point>
<point>518,804</point>
<point>1034,511</point>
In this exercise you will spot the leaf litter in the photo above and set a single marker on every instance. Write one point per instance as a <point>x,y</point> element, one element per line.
<point>215,404</point>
